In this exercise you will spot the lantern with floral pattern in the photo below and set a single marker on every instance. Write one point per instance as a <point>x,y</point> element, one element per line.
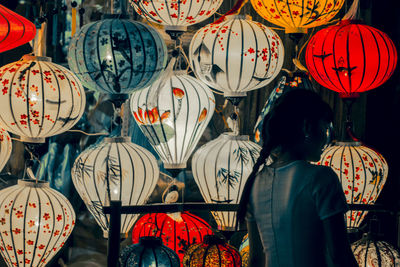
<point>5,147</point>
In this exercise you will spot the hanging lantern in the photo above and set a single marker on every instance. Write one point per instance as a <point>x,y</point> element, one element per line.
<point>298,16</point>
<point>288,82</point>
<point>350,58</point>
<point>213,252</point>
<point>236,55</point>
<point>244,251</point>
<point>362,172</point>
<point>221,168</point>
<point>5,148</point>
<point>149,252</point>
<point>369,252</point>
<point>15,29</point>
<point>117,56</point>
<point>177,230</point>
<point>115,169</point>
<point>173,116</point>
<point>39,98</point>
<point>35,222</point>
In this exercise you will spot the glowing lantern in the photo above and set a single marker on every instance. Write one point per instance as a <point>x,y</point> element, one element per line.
<point>214,251</point>
<point>350,58</point>
<point>221,168</point>
<point>115,169</point>
<point>15,30</point>
<point>35,223</point>
<point>174,117</point>
<point>39,98</point>
<point>117,56</point>
<point>244,251</point>
<point>177,230</point>
<point>362,172</point>
<point>5,147</point>
<point>236,55</point>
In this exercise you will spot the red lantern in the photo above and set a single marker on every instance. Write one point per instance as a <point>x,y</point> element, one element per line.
<point>351,57</point>
<point>178,230</point>
<point>15,30</point>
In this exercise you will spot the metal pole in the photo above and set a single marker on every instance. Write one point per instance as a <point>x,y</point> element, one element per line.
<point>114,234</point>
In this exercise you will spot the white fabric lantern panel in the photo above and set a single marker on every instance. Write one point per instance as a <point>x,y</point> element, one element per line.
<point>115,169</point>
<point>39,98</point>
<point>5,148</point>
<point>221,168</point>
<point>176,14</point>
<point>173,116</point>
<point>35,223</point>
<point>362,172</point>
<point>236,55</point>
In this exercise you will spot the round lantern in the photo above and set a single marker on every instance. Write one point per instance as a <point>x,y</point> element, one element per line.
<point>176,15</point>
<point>214,251</point>
<point>244,251</point>
<point>298,16</point>
<point>39,98</point>
<point>15,29</point>
<point>117,56</point>
<point>236,55</point>
<point>350,58</point>
<point>173,116</point>
<point>35,222</point>
<point>221,168</point>
<point>115,169</point>
<point>5,147</point>
<point>177,230</point>
<point>369,252</point>
<point>149,252</point>
<point>362,172</point>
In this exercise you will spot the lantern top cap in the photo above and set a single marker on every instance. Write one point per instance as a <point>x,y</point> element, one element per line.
<point>350,21</point>
<point>348,143</point>
<point>33,183</point>
<point>235,16</point>
<point>30,57</point>
<point>115,16</point>
<point>233,136</point>
<point>150,241</point>
<point>213,240</point>
<point>117,139</point>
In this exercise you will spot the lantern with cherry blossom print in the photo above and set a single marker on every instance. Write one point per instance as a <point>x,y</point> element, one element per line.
<point>351,58</point>
<point>5,147</point>
<point>35,222</point>
<point>173,115</point>
<point>362,172</point>
<point>236,55</point>
<point>39,98</point>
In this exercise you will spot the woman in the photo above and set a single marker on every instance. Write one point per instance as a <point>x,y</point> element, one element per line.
<point>294,210</point>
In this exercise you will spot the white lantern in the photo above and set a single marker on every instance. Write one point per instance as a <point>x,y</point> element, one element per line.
<point>236,55</point>
<point>35,222</point>
<point>115,169</point>
<point>221,168</point>
<point>174,118</point>
<point>362,172</point>
<point>39,98</point>
<point>5,147</point>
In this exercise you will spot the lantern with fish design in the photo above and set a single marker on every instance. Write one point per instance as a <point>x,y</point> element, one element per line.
<point>39,98</point>
<point>173,115</point>
<point>362,172</point>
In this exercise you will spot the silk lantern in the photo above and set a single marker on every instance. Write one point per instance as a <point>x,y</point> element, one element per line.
<point>117,56</point>
<point>114,169</point>
<point>173,116</point>
<point>298,16</point>
<point>351,58</point>
<point>214,251</point>
<point>5,148</point>
<point>35,222</point>
<point>236,55</point>
<point>362,172</point>
<point>15,30</point>
<point>177,230</point>
<point>39,98</point>
<point>244,251</point>
<point>221,168</point>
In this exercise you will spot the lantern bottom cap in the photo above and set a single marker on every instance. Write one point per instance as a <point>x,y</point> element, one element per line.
<point>226,228</point>
<point>177,28</point>
<point>295,30</point>
<point>235,94</point>
<point>121,235</point>
<point>175,165</point>
<point>27,139</point>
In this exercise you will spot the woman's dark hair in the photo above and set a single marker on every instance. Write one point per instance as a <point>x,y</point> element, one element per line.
<point>283,127</point>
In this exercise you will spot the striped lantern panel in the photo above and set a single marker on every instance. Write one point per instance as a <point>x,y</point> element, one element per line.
<point>236,55</point>
<point>173,115</point>
<point>298,16</point>
<point>117,56</point>
<point>362,172</point>
<point>39,98</point>
<point>351,57</point>
<point>35,223</point>
<point>176,14</point>
<point>115,169</point>
<point>221,168</point>
<point>5,148</point>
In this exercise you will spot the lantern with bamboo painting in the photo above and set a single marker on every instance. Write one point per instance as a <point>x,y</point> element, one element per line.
<point>5,148</point>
